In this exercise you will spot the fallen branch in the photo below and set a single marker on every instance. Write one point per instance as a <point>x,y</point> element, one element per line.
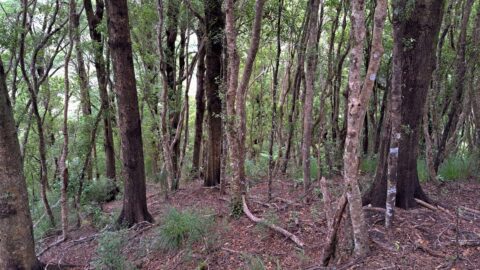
<point>429,250</point>
<point>426,205</point>
<point>433,208</point>
<point>274,227</point>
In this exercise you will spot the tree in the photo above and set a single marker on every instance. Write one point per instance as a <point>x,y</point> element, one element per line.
<point>421,25</point>
<point>214,23</point>
<point>360,91</point>
<point>200,107</point>
<point>310,72</point>
<point>236,95</point>
<point>17,249</point>
<point>460,73</point>
<point>94,20</point>
<point>134,208</point>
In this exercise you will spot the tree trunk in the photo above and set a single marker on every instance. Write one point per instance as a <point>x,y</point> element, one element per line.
<point>214,23</point>
<point>274,99</point>
<point>133,169</point>
<point>94,20</point>
<point>236,95</point>
<point>64,156</point>
<point>310,72</point>
<point>459,85</point>
<point>17,248</point>
<point>418,60</point>
<point>200,108</point>
<point>394,115</point>
<point>357,105</point>
<point>82,77</point>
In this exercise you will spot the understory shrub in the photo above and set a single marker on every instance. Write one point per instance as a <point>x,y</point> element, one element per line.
<point>109,252</point>
<point>182,228</point>
<point>456,168</point>
<point>100,190</point>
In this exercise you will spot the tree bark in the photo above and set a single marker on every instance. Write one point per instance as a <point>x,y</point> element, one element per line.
<point>236,95</point>
<point>134,208</point>
<point>17,248</point>
<point>418,60</point>
<point>394,115</point>
<point>215,24</point>
<point>200,107</point>
<point>310,72</point>
<point>357,105</point>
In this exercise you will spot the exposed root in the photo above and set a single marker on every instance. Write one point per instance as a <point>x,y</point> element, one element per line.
<point>274,227</point>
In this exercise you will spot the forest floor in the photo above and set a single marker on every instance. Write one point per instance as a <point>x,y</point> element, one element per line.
<point>422,238</point>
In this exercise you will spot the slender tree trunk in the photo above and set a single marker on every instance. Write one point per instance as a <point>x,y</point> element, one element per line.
<point>64,156</point>
<point>17,248</point>
<point>236,95</point>
<point>357,105</point>
<point>83,77</point>
<point>134,208</point>
<point>200,107</point>
<point>394,114</point>
<point>310,72</point>
<point>274,99</point>
<point>459,85</point>
<point>94,19</point>
<point>33,90</point>
<point>215,24</point>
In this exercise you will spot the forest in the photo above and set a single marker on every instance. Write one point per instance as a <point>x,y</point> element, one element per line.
<point>239,134</point>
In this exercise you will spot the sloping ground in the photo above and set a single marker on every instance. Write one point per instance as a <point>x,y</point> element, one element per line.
<point>421,238</point>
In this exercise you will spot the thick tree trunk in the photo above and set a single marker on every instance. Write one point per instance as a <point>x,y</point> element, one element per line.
<point>17,250</point>
<point>418,60</point>
<point>214,23</point>
<point>133,169</point>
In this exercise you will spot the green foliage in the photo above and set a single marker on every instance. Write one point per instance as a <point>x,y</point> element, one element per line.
<point>98,217</point>
<point>182,228</point>
<point>100,190</point>
<point>109,252</point>
<point>368,165</point>
<point>422,170</point>
<point>456,168</point>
